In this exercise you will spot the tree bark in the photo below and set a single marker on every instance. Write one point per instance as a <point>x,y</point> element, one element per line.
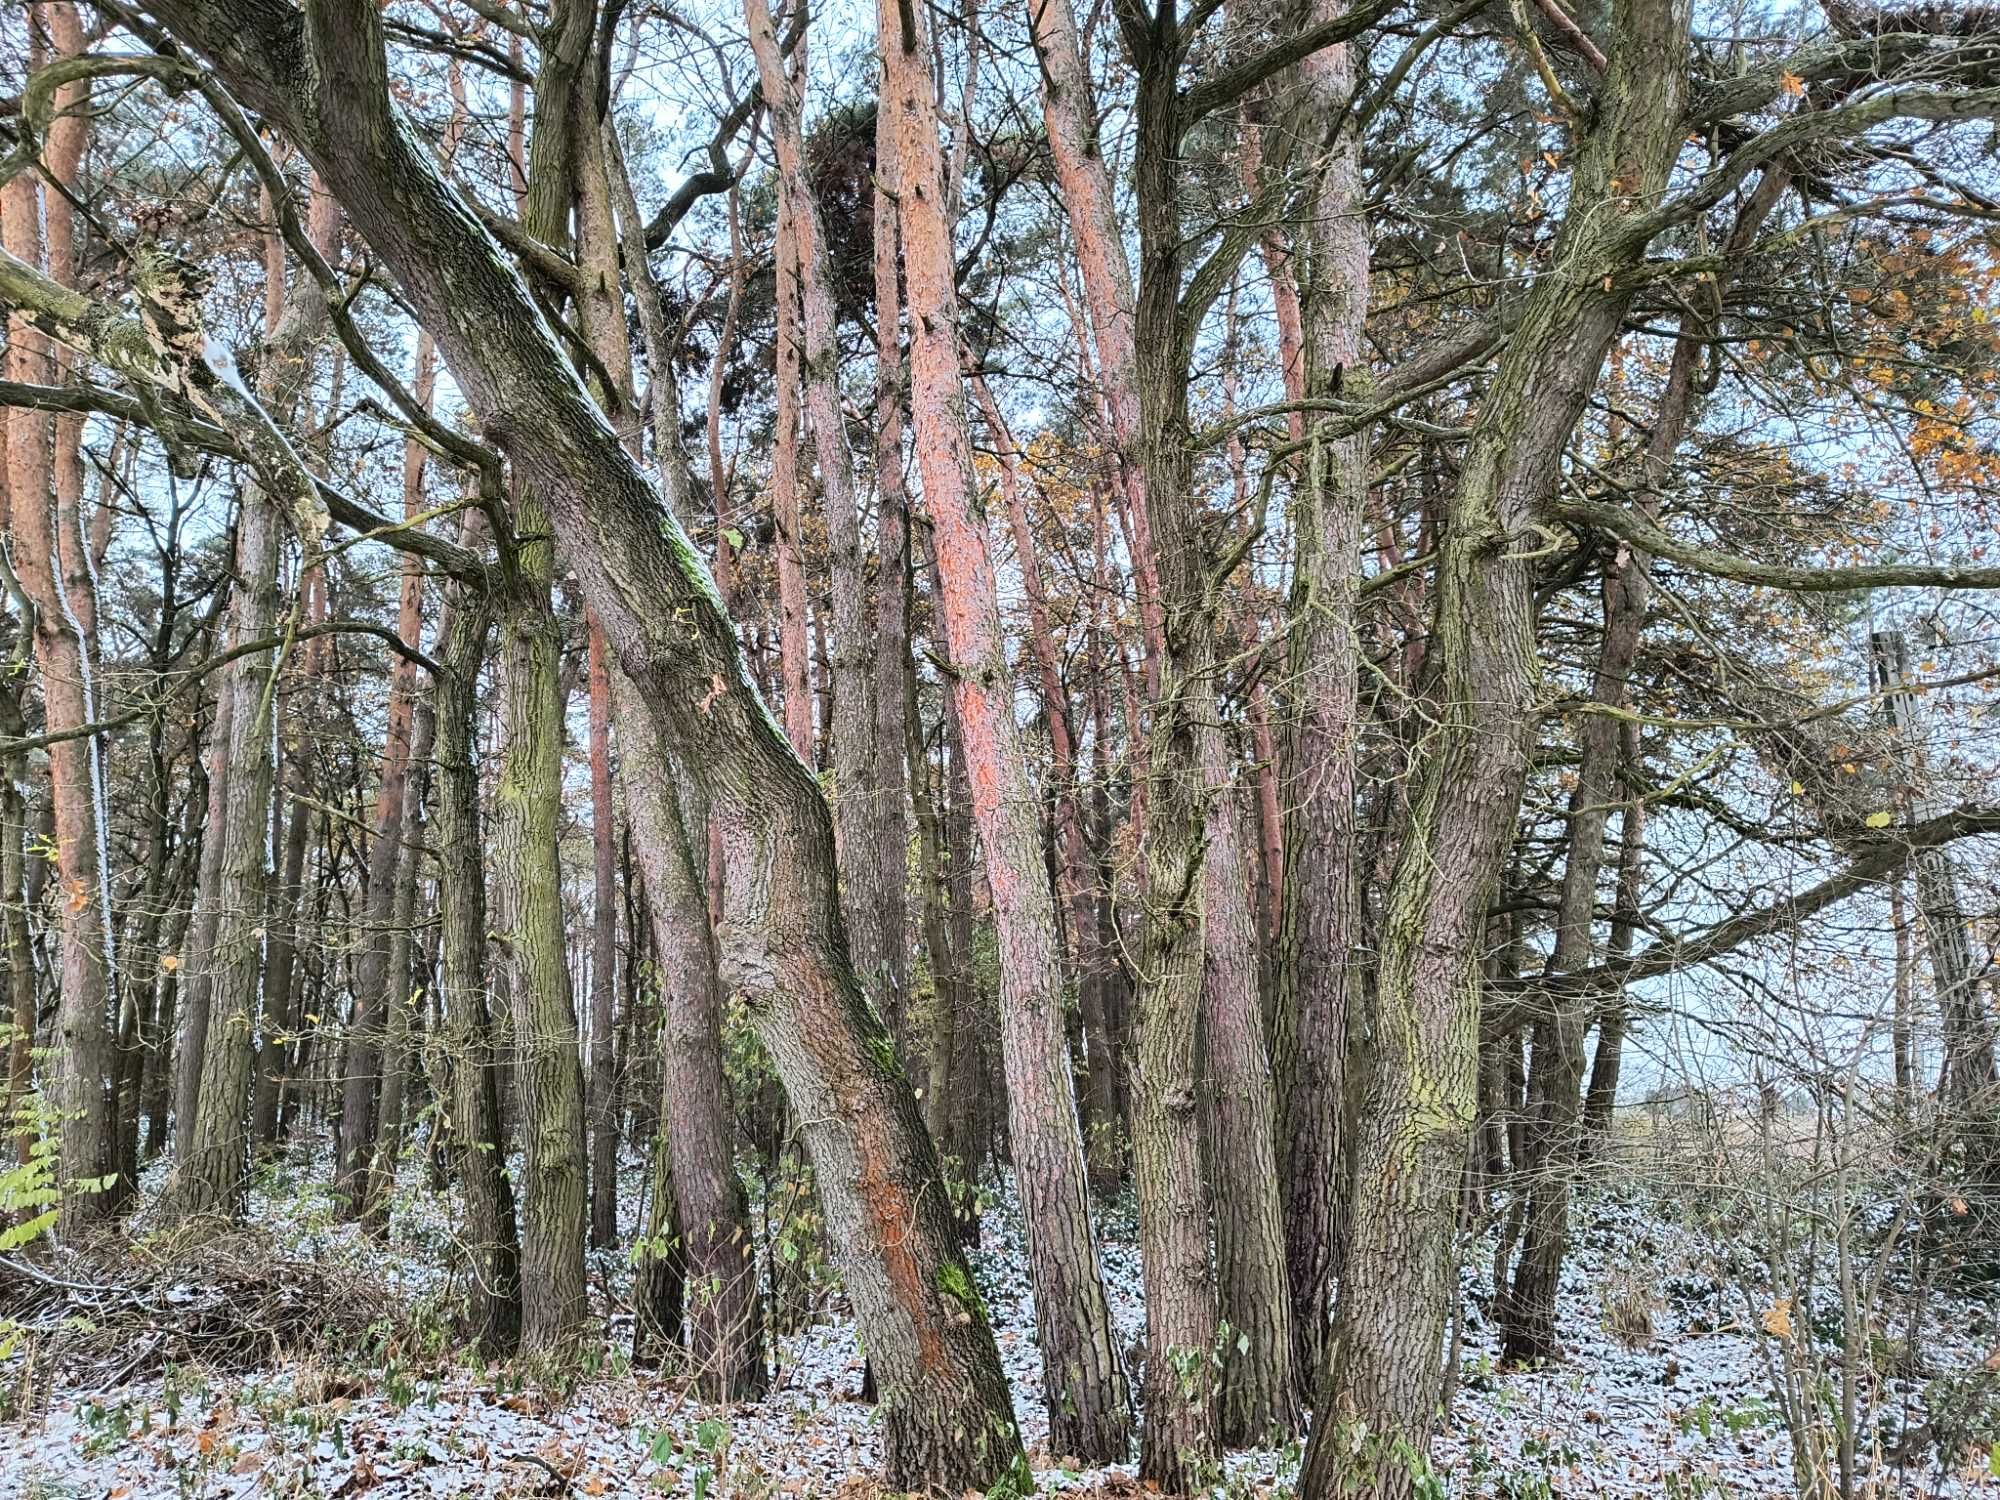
<point>1259,1397</point>
<point>492,1241</point>
<point>892,626</point>
<point>45,480</point>
<point>525,821</point>
<point>1084,1384</point>
<point>724,1320</point>
<point>854,729</point>
<point>212,1159</point>
<point>946,1415</point>
<point>1378,1397</point>
<point>1555,1082</point>
<point>603,957</point>
<point>1319,931</point>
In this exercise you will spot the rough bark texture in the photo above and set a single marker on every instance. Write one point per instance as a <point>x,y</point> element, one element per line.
<point>892,626</point>
<point>321,75</point>
<point>1070,116</point>
<point>723,1317</point>
<point>1556,1080</point>
<point>1181,1432</point>
<point>792,666</point>
<point>491,1239</point>
<point>603,956</point>
<point>1378,1398</point>
<point>526,811</point>
<point>1259,1396</point>
<point>45,481</point>
<point>854,730</point>
<point>1084,1385</point>
<point>212,1159</point>
<point>1319,934</point>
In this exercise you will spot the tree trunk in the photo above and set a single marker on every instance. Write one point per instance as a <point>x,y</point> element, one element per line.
<point>603,957</point>
<point>45,482</point>
<point>211,1167</point>
<point>1319,921</point>
<point>1088,1404</point>
<point>850,670</point>
<point>288,903</point>
<point>1259,1399</point>
<point>1378,1399</point>
<point>724,1327</point>
<point>892,627</point>
<point>526,815</point>
<point>1555,1083</point>
<point>14,934</point>
<point>492,1243</point>
<point>946,1415</point>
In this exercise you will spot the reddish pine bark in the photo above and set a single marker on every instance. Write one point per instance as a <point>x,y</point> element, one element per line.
<point>1085,1386</point>
<point>45,481</point>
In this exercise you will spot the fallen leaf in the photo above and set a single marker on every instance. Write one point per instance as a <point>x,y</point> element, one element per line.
<point>1778,1318</point>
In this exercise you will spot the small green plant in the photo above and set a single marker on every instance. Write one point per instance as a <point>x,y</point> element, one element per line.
<point>705,1454</point>
<point>31,1194</point>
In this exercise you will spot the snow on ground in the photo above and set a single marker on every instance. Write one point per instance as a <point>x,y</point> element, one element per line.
<point>1688,1414</point>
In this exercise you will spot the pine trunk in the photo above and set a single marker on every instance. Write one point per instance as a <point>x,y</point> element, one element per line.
<point>1084,1384</point>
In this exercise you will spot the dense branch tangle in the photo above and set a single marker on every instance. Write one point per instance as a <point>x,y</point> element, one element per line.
<point>1492,487</point>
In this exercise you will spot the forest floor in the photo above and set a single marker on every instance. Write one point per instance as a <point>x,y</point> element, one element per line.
<point>292,1359</point>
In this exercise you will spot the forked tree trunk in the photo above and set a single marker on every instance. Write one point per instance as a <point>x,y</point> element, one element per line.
<point>1556,1080</point>
<point>1377,1402</point>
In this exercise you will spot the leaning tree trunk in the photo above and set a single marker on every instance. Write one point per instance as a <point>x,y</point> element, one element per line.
<point>946,1414</point>
<point>1555,1125</point>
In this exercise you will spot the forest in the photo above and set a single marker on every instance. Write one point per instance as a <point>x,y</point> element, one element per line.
<point>1223,748</point>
